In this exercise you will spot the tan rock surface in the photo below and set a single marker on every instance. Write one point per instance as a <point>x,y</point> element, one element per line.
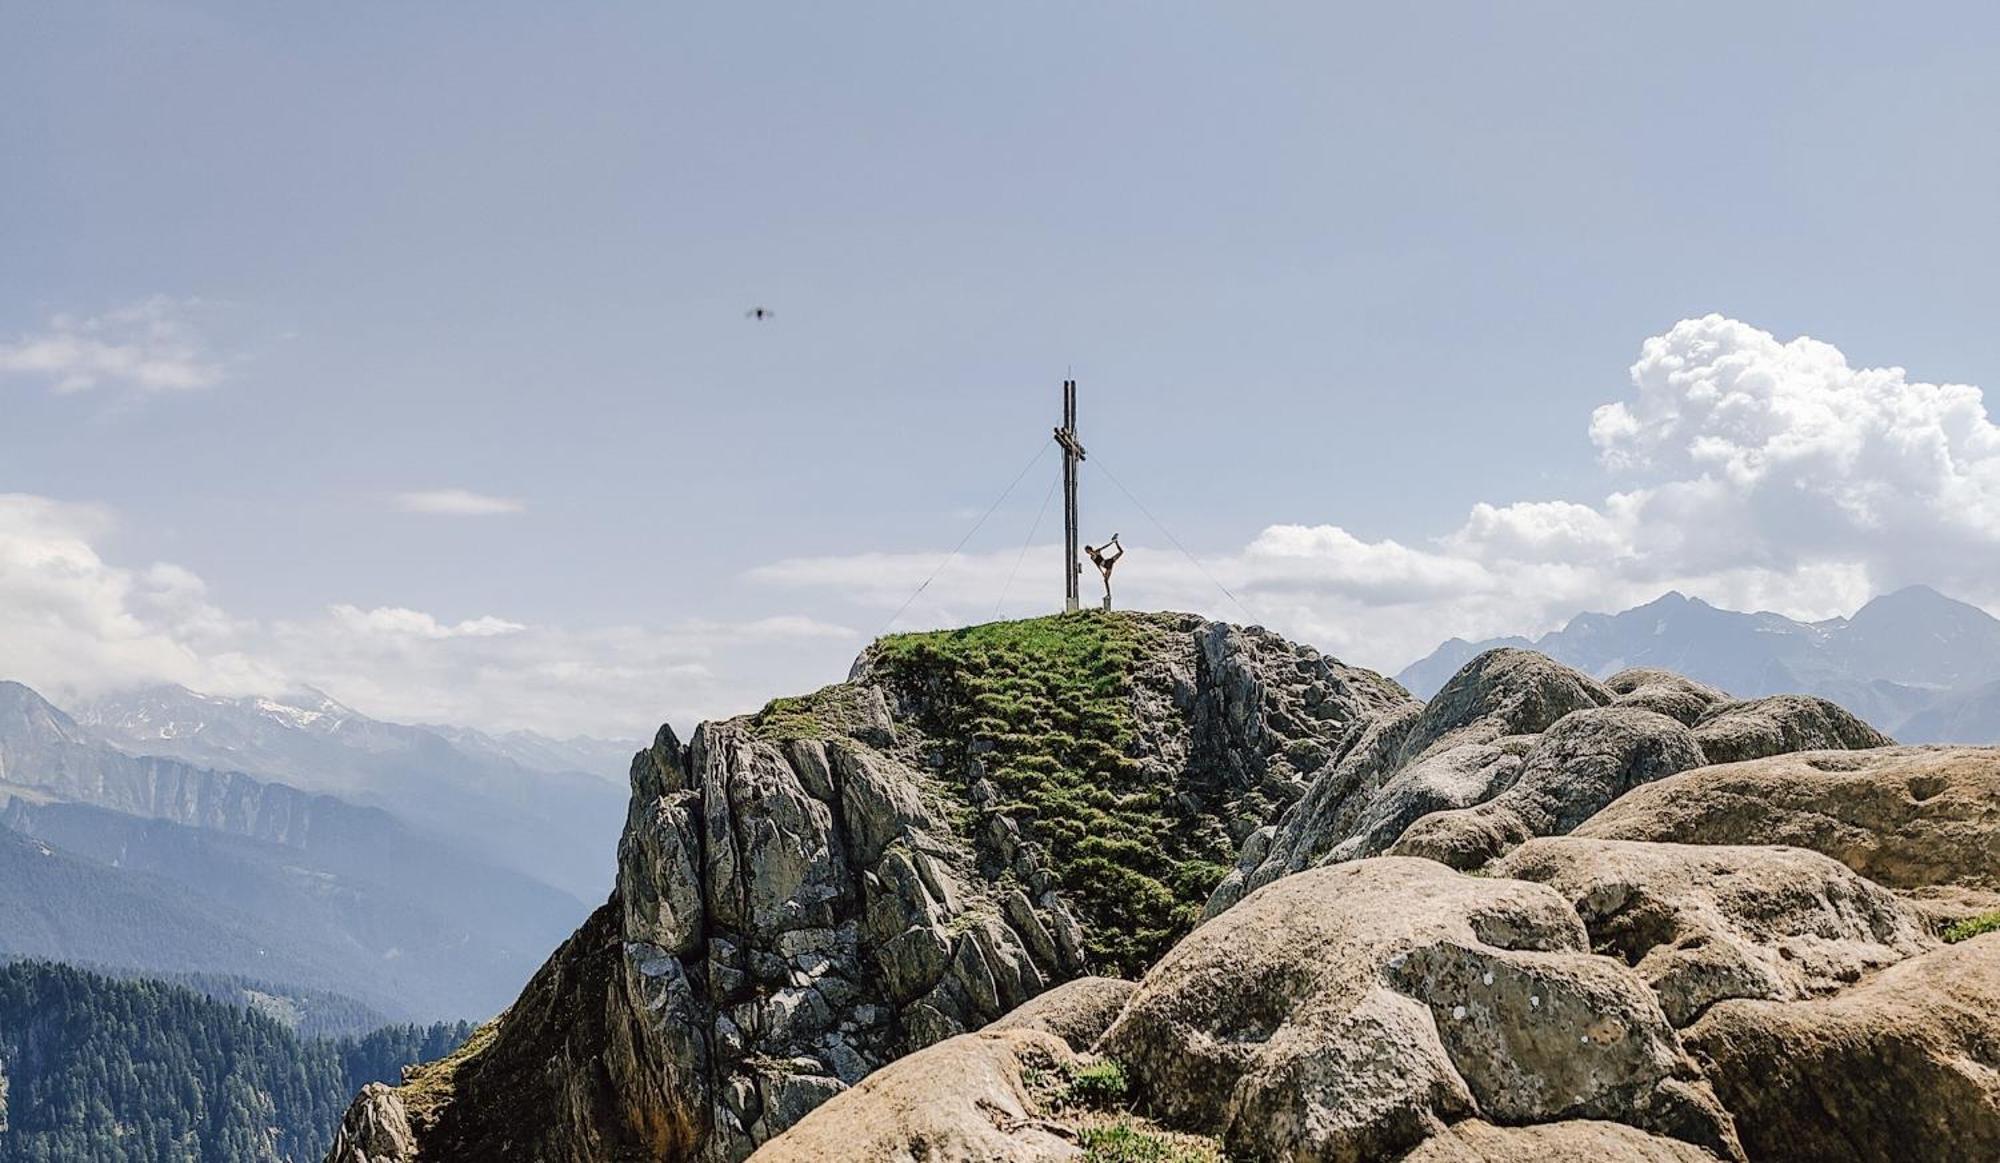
<point>1905,817</point>
<point>1351,1012</point>
<point>1078,1012</point>
<point>967,1099</point>
<point>1703,923</point>
<point>1904,1067</point>
<point>1578,1141</point>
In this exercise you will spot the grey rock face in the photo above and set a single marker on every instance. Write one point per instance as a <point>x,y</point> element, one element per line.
<point>1504,692</point>
<point>806,895</point>
<point>1586,760</point>
<point>1514,746</point>
<point>375,1130</point>
<point>1780,724</point>
<point>1458,750</point>
<point>1675,696</point>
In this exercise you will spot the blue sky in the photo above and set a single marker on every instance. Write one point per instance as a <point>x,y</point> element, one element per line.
<point>287,291</point>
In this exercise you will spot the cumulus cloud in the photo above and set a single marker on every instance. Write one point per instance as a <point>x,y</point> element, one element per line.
<point>150,346</point>
<point>456,503</point>
<point>73,623</point>
<point>1759,473</point>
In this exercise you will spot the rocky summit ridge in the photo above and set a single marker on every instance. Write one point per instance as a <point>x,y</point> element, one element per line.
<point>1144,886</point>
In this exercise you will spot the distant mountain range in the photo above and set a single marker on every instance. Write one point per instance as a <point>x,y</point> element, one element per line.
<point>1922,666</point>
<point>294,840</point>
<point>537,805</point>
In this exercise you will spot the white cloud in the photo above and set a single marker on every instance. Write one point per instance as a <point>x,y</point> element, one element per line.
<point>150,346</point>
<point>456,503</point>
<point>1759,473</point>
<point>395,621</point>
<point>73,623</point>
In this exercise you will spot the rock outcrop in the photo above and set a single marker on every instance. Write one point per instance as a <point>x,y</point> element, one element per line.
<point>1585,761</point>
<point>1077,1012</point>
<point>1676,696</point>
<point>376,1129</point>
<point>1531,919</point>
<point>1778,724</point>
<point>809,893</point>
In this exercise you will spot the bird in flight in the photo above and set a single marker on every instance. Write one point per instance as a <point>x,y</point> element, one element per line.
<point>759,313</point>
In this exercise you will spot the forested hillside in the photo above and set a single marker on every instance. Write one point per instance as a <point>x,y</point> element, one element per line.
<point>134,1071</point>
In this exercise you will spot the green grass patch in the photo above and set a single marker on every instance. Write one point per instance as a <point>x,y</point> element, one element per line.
<point>1125,1140</point>
<point>1971,927</point>
<point>427,1089</point>
<point>827,713</point>
<point>1045,707</point>
<point>1099,1085</point>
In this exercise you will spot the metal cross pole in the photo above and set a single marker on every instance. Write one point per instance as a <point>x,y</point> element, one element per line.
<point>1072,457</point>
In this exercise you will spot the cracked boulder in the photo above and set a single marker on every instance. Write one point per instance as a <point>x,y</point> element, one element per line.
<point>1780,724</point>
<point>1577,1141</point>
<point>1903,1068</point>
<point>1703,924</point>
<point>1924,821</point>
<point>1355,1011</point>
<point>1586,760</point>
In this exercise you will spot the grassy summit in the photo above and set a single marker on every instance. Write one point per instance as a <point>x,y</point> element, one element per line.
<point>1044,710</point>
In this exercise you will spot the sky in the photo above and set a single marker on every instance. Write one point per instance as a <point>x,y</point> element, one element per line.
<point>401,351</point>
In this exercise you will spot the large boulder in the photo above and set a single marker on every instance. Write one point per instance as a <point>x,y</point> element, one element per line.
<point>1676,696</point>
<point>1924,820</point>
<point>1586,760</point>
<point>1078,1011</point>
<point>1778,724</point>
<point>969,1098</point>
<point>1702,924</point>
<point>1577,1141</point>
<point>1503,692</point>
<point>1903,1068</point>
<point>1354,1011</point>
<point>376,1128</point>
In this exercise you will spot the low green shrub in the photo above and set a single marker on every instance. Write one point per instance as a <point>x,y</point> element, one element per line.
<point>1098,1085</point>
<point>1125,1141</point>
<point>1971,927</point>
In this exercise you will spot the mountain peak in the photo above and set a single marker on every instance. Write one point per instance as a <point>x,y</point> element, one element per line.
<point>24,713</point>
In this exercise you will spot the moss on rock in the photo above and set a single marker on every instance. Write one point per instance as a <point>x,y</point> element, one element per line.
<point>1042,712</point>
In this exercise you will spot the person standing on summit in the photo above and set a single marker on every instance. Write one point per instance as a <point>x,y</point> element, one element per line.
<point>1105,562</point>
